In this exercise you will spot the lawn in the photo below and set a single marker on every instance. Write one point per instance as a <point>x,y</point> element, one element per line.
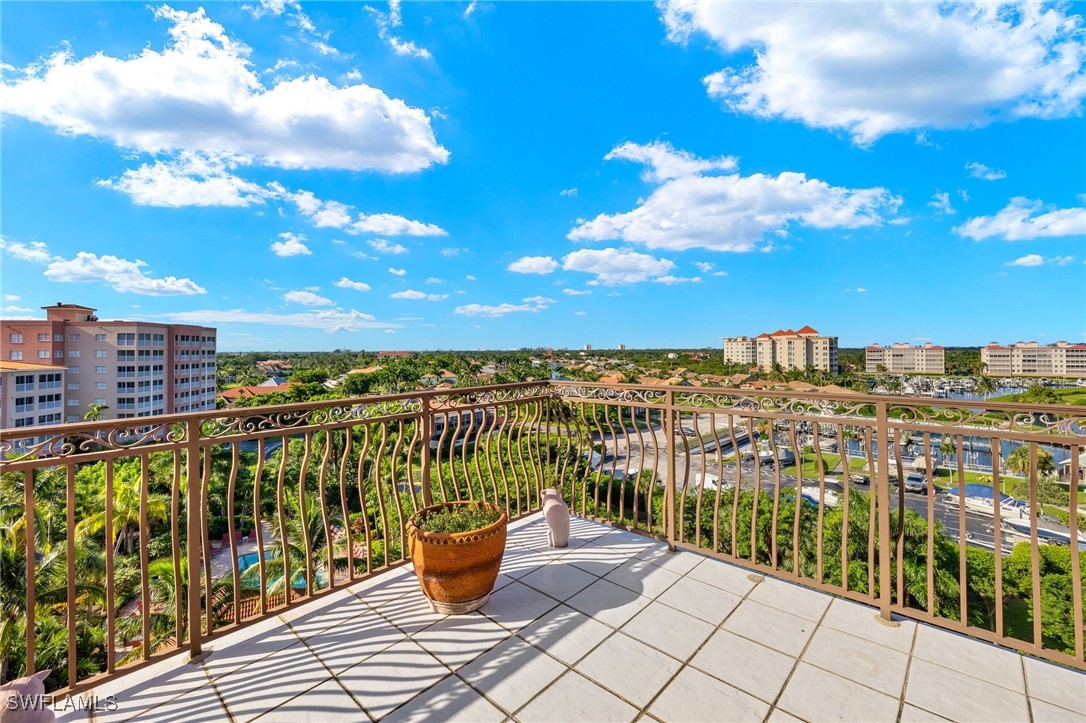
<point>831,464</point>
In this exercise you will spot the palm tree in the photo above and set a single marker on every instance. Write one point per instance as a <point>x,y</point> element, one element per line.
<point>1018,461</point>
<point>946,447</point>
<point>984,385</point>
<point>94,412</point>
<point>126,509</point>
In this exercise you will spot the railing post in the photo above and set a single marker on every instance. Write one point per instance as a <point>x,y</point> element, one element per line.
<point>882,441</point>
<point>427,421</point>
<point>194,531</point>
<point>669,488</point>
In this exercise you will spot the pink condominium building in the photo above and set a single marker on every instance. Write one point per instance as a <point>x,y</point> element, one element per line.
<point>127,368</point>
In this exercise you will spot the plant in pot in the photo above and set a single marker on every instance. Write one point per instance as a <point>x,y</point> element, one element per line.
<point>457,548</point>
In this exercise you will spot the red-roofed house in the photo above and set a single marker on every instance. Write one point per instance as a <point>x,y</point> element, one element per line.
<point>791,349</point>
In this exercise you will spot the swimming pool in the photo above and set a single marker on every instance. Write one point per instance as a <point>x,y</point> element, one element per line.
<point>250,559</point>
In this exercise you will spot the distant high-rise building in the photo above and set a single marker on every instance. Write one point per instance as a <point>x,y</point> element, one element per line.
<point>127,368</point>
<point>904,358</point>
<point>622,347</point>
<point>790,349</point>
<point>588,347</point>
<point>1030,358</point>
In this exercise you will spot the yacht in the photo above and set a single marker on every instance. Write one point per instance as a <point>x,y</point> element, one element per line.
<point>1046,532</point>
<point>978,498</point>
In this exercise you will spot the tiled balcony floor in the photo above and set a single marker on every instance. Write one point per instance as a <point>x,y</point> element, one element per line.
<point>612,628</point>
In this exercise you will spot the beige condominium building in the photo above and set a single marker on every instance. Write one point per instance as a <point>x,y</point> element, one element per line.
<point>791,349</point>
<point>1028,358</point>
<point>31,395</point>
<point>929,358</point>
<point>129,368</point>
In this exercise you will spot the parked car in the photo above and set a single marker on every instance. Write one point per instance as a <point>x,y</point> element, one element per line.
<point>916,482</point>
<point>859,479</point>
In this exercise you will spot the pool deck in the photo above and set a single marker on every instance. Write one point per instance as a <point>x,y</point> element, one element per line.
<point>612,628</point>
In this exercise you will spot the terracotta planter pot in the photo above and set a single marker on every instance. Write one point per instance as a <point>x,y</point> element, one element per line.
<point>457,571</point>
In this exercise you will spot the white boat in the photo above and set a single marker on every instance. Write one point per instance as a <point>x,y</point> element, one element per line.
<point>830,498</point>
<point>978,498</point>
<point>1045,533</point>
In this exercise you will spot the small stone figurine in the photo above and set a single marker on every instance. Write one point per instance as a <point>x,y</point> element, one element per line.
<point>24,700</point>
<point>556,513</point>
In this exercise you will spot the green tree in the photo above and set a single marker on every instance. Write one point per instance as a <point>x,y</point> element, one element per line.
<point>1018,461</point>
<point>127,481</point>
<point>94,412</point>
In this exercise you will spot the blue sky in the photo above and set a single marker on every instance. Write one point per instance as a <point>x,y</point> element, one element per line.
<point>498,175</point>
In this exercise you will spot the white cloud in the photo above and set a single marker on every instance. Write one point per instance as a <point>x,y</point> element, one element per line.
<point>17,313</point>
<point>306,298</point>
<point>1038,260</point>
<point>452,252</point>
<point>291,245</point>
<point>533,265</point>
<point>576,292</point>
<point>858,290</point>
<point>876,68</point>
<point>469,277</point>
<point>329,320</point>
<point>731,212</point>
<point>199,93</point>
<point>941,203</point>
<point>616,266</point>
<point>672,280</point>
<point>418,295</point>
<point>1022,220</point>
<point>35,252</point>
<point>568,192</point>
<point>121,274</point>
<point>192,179</point>
<point>471,8</point>
<point>333,214</point>
<point>979,170</point>
<point>394,19</point>
<point>384,247</point>
<point>580,313</point>
<point>663,162</point>
<point>11,297</point>
<point>434,280</point>
<point>1027,260</point>
<point>704,266</point>
<point>530,304</point>
<point>346,283</point>
<point>397,272</point>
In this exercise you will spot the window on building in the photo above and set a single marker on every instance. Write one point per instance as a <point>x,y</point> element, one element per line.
<point>126,339</point>
<point>73,385</point>
<point>43,337</point>
<point>58,337</point>
<point>100,401</point>
<point>74,353</point>
<point>73,337</point>
<point>99,337</point>
<point>24,382</point>
<point>58,354</point>
<point>48,401</point>
<point>73,402</point>
<point>24,404</point>
<point>145,339</point>
<point>15,355</point>
<point>50,418</point>
<point>15,338</point>
<point>101,353</point>
<point>73,370</point>
<point>43,353</point>
<point>99,370</point>
<point>126,355</point>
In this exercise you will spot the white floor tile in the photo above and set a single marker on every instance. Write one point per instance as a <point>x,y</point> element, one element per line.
<point>306,622</point>
<point>516,605</point>
<point>512,674</point>
<point>815,695</point>
<point>1059,686</point>
<point>386,586</point>
<point>1045,712</point>
<point>256,689</point>
<point>410,613</point>
<point>458,639</point>
<point>559,580</point>
<point>565,633</point>
<point>912,714</point>
<point>700,599</point>
<point>771,627</point>
<point>780,716</point>
<point>746,665</point>
<point>223,658</point>
<point>859,620</point>
<point>609,603</point>
<point>971,699</point>
<point>575,699</point>
<point>679,562</point>
<point>734,579</point>
<point>450,701</point>
<point>794,599</point>
<point>694,696</point>
<point>326,703</point>
<point>518,562</point>
<point>147,689</point>
<point>387,681</point>
<point>976,658</point>
<point>643,577</point>
<point>354,640</point>
<point>199,705</point>
<point>630,668</point>
<point>669,630</point>
<point>859,660</point>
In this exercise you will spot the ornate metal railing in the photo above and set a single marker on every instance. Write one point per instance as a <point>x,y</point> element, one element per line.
<point>293,501</point>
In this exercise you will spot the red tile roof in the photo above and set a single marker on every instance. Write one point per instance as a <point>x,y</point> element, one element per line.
<point>807,330</point>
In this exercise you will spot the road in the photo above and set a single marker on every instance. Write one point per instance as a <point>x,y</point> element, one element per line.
<point>978,526</point>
